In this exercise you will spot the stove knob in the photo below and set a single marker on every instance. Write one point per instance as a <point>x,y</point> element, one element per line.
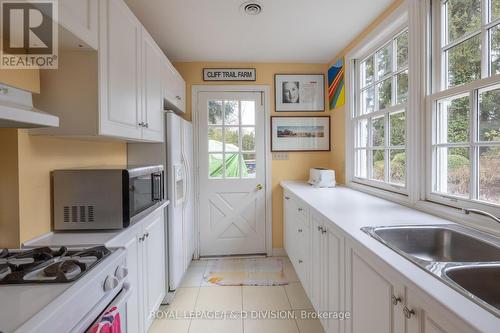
<point>110,283</point>
<point>121,272</point>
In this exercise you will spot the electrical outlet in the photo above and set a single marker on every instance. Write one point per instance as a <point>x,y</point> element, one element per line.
<point>280,156</point>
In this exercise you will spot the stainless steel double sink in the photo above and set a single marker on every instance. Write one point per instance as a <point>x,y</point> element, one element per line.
<point>465,259</point>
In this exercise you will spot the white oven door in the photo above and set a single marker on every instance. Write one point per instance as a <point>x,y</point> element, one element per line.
<point>117,307</point>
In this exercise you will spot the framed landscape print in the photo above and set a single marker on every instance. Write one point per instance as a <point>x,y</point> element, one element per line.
<point>299,92</point>
<point>300,133</point>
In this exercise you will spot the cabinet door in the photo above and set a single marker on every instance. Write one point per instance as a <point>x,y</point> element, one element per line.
<point>431,317</point>
<point>371,297</point>
<point>152,114</point>
<point>317,265</point>
<point>80,17</point>
<point>334,282</point>
<point>154,249</point>
<point>289,210</point>
<point>175,87</point>
<point>120,71</point>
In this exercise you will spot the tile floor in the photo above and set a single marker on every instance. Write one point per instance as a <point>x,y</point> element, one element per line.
<point>198,295</point>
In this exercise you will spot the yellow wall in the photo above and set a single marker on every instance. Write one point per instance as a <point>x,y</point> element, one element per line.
<point>25,194</point>
<point>21,78</point>
<point>297,167</point>
<point>337,160</point>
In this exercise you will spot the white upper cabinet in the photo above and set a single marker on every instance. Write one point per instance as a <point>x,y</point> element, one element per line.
<point>79,22</point>
<point>175,89</point>
<point>152,112</point>
<point>120,71</point>
<point>115,90</point>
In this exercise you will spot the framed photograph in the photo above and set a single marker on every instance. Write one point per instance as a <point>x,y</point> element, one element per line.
<point>299,92</point>
<point>300,133</point>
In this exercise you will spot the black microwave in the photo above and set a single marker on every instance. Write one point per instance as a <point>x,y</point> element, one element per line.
<point>107,198</point>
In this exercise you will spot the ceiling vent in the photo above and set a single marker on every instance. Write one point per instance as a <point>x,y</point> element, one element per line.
<point>251,8</point>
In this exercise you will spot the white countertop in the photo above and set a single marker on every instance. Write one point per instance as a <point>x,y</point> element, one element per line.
<point>350,210</point>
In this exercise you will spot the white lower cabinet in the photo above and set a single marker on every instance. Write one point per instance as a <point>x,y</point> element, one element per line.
<point>145,245</point>
<point>340,275</point>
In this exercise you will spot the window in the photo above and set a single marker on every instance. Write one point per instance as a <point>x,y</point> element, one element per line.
<point>465,138</point>
<point>379,120</point>
<point>231,139</point>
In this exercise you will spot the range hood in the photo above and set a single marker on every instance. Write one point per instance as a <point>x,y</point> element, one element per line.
<point>17,111</point>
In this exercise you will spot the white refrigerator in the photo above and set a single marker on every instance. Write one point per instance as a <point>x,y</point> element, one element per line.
<point>176,154</point>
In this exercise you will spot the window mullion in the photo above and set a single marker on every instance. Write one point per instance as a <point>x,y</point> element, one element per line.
<point>485,47</point>
<point>473,150</point>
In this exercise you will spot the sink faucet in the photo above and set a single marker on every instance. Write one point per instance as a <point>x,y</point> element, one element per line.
<point>467,211</point>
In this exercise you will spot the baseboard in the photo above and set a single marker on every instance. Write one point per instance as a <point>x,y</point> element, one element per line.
<point>279,252</point>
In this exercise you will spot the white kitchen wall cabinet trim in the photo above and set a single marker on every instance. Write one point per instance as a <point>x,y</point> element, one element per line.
<point>117,91</point>
<point>344,269</point>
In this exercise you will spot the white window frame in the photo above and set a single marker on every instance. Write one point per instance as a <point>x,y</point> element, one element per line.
<point>438,91</point>
<point>388,29</point>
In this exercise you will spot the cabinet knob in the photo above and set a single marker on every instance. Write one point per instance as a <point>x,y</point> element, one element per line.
<point>324,230</point>
<point>178,98</point>
<point>146,125</point>
<point>300,230</point>
<point>141,124</point>
<point>287,198</point>
<point>300,261</point>
<point>146,235</point>
<point>395,300</point>
<point>408,312</point>
<point>300,209</point>
<point>320,228</point>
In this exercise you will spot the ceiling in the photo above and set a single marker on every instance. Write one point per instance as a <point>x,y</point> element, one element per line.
<point>306,31</point>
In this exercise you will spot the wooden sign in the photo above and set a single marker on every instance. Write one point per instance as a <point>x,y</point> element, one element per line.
<point>229,74</point>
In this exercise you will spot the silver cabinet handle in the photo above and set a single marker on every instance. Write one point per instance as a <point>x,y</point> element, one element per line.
<point>300,209</point>
<point>324,230</point>
<point>300,261</point>
<point>408,312</point>
<point>395,300</point>
<point>178,98</point>
<point>141,124</point>
<point>146,125</point>
<point>320,228</point>
<point>146,235</point>
<point>287,198</point>
<point>300,230</point>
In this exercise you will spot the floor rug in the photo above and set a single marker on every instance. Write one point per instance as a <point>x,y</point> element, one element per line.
<point>246,272</point>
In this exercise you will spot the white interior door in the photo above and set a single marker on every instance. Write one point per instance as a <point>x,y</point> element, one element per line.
<point>232,176</point>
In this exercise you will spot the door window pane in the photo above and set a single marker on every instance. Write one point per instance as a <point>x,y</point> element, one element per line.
<point>215,139</point>
<point>489,115</point>
<point>231,113</point>
<point>453,120</point>
<point>452,171</point>
<point>464,62</point>
<point>378,131</point>
<point>402,50</point>
<point>248,112</point>
<point>402,87</point>
<point>463,17</point>
<point>378,164</point>
<point>368,100</point>
<point>248,138</point>
<point>398,167</point>
<point>215,112</point>
<point>384,61</point>
<point>232,165</point>
<point>367,72</point>
<point>384,94</point>
<point>232,139</point>
<point>215,167</point>
<point>489,174</point>
<point>398,128</point>
<point>248,165</point>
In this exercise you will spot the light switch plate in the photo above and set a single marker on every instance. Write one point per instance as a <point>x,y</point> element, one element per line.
<point>280,156</point>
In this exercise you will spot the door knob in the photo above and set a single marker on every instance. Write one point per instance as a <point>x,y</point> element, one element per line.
<point>259,187</point>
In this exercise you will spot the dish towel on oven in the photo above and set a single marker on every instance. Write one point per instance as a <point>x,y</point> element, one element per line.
<point>109,323</point>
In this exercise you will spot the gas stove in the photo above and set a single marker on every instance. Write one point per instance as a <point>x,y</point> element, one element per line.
<point>48,265</point>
